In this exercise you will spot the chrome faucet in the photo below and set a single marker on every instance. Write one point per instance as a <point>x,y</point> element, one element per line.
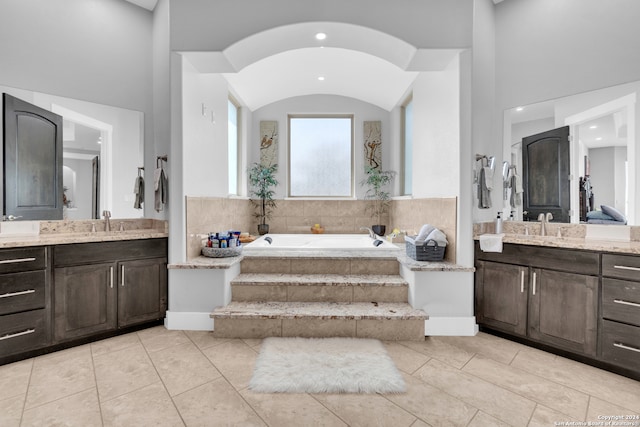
<point>107,223</point>
<point>371,233</point>
<point>544,219</point>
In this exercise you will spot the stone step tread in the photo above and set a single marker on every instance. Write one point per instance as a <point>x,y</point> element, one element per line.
<point>319,310</point>
<point>283,279</point>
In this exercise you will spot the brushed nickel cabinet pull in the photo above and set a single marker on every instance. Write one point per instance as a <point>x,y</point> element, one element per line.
<point>122,273</point>
<point>626,347</point>
<point>624,267</point>
<point>17,334</point>
<point>15,294</point>
<point>620,301</point>
<point>16,260</point>
<point>111,277</point>
<point>534,283</point>
<point>522,281</point>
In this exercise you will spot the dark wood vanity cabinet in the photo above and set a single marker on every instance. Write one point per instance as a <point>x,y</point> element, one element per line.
<point>547,295</point>
<point>24,300</point>
<point>101,287</point>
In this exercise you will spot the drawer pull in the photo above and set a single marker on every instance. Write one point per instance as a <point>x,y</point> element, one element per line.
<point>16,260</point>
<point>17,334</point>
<point>522,281</point>
<point>15,294</point>
<point>626,347</point>
<point>534,283</point>
<point>111,277</point>
<point>624,267</point>
<point>122,272</point>
<point>620,301</point>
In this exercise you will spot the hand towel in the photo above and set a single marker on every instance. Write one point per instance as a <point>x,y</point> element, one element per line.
<point>438,236</point>
<point>138,189</point>
<point>491,242</point>
<point>488,177</point>
<point>484,195</point>
<point>161,186</point>
<point>425,230</point>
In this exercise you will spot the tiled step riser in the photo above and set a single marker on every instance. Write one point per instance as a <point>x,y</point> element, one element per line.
<point>319,266</point>
<point>318,293</point>
<point>387,330</point>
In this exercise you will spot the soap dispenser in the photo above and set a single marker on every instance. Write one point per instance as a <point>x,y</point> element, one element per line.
<point>499,223</point>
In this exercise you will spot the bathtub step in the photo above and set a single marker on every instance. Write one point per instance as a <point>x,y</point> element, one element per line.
<point>305,263</point>
<point>319,288</point>
<point>385,321</point>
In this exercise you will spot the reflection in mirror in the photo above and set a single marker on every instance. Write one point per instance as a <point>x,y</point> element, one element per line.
<point>103,147</point>
<point>603,150</point>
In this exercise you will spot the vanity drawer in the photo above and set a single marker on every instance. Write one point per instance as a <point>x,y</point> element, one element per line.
<point>620,344</point>
<point>621,301</point>
<point>23,331</point>
<point>88,253</point>
<point>23,259</point>
<point>621,266</point>
<point>22,291</point>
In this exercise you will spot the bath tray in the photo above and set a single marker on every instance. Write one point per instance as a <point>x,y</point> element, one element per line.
<point>221,252</point>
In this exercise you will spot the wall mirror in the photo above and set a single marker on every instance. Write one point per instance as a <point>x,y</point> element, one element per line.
<point>103,149</point>
<point>603,154</point>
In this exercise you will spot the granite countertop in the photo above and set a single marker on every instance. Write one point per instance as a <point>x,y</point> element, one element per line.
<point>62,238</point>
<point>613,246</point>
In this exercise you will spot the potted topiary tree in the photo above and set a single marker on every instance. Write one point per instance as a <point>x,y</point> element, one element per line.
<point>262,181</point>
<point>376,181</point>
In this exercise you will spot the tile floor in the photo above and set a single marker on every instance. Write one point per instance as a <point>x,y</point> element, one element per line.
<point>157,377</point>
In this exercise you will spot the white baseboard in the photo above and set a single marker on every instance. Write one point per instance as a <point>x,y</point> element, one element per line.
<point>450,326</point>
<point>188,321</point>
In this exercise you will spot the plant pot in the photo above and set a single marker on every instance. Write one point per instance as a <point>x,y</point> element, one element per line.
<point>263,229</point>
<point>379,229</point>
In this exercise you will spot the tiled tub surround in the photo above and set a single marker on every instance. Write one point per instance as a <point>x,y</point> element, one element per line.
<point>206,214</point>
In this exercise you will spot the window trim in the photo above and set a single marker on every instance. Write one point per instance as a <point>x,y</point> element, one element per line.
<point>235,102</point>
<point>403,140</point>
<point>352,172</point>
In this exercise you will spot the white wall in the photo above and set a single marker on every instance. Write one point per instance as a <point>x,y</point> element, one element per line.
<point>81,197</point>
<point>320,104</point>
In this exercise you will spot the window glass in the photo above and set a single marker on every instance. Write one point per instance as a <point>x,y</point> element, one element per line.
<point>320,156</point>
<point>407,148</point>
<point>232,127</point>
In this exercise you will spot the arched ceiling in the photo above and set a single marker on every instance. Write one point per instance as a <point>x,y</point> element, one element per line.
<point>354,61</point>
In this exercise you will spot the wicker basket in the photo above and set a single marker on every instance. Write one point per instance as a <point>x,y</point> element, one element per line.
<point>427,251</point>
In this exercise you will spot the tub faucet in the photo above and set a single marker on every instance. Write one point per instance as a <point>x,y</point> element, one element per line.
<point>107,223</point>
<point>371,233</point>
<point>544,219</point>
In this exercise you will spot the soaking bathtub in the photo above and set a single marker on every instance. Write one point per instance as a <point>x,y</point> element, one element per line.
<point>319,241</point>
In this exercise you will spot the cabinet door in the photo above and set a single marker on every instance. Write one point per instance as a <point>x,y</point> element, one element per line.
<point>563,310</point>
<point>142,291</point>
<point>501,296</point>
<point>85,300</point>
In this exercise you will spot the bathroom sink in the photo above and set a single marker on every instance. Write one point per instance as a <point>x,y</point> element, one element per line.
<point>15,229</point>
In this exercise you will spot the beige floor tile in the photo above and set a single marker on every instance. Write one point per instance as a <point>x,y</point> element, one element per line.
<point>254,343</point>
<point>216,403</point>
<point>11,411</point>
<point>366,410</point>
<point>14,378</point>
<point>60,374</point>
<point>545,417</point>
<point>289,409</point>
<point>487,345</point>
<point>599,408</point>
<point>605,385</point>
<point>123,371</point>
<point>183,367</point>
<point>159,338</point>
<point>81,409</point>
<point>485,420</point>
<point>439,349</point>
<point>492,399</point>
<point>235,360</point>
<point>148,406</point>
<point>205,339</point>
<point>109,345</point>
<point>555,396</point>
<point>406,359</point>
<point>420,423</point>
<point>432,405</point>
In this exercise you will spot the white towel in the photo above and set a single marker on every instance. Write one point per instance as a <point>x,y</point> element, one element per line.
<point>425,230</point>
<point>491,242</point>
<point>439,237</point>
<point>488,177</point>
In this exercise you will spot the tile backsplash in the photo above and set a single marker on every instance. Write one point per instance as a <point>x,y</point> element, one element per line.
<point>206,214</point>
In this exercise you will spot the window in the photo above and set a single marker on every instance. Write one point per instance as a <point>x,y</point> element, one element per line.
<point>234,143</point>
<point>407,148</point>
<point>321,156</point>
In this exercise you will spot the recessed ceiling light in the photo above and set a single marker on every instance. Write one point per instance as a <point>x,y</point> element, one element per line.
<point>519,108</point>
<point>321,36</point>
<point>593,127</point>
<point>321,78</point>
<point>598,139</point>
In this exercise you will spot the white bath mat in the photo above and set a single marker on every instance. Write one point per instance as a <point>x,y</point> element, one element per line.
<point>325,365</point>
